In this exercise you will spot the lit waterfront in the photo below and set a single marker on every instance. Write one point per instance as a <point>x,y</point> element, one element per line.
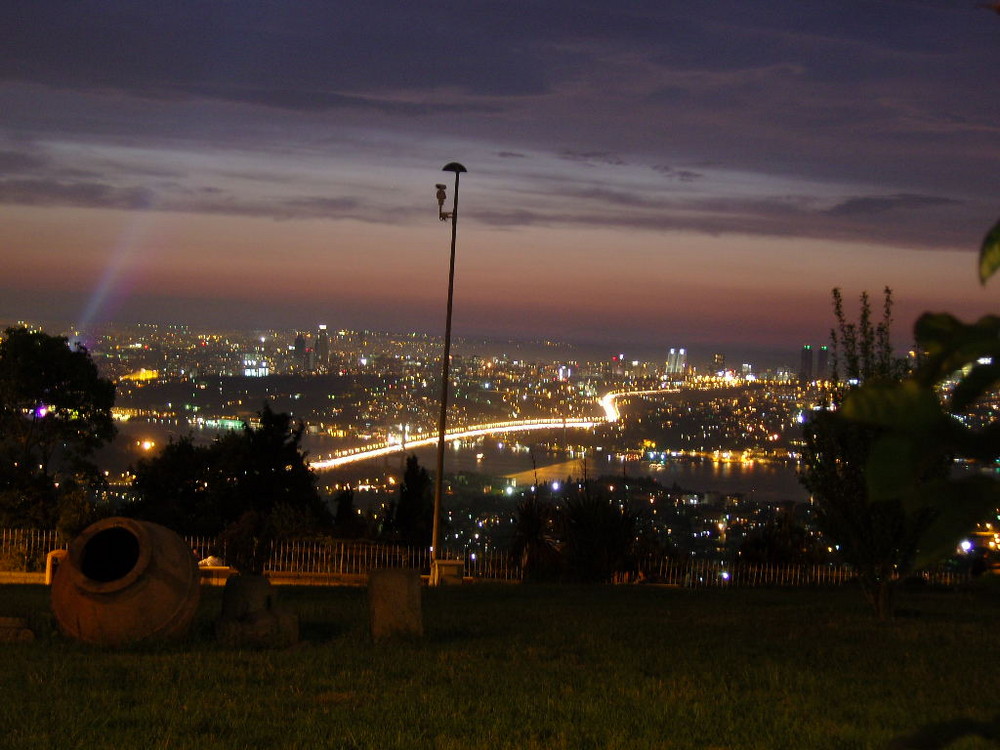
<point>520,463</point>
<point>764,482</point>
<point>760,481</point>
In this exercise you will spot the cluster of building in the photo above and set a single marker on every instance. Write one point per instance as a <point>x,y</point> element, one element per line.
<point>352,388</point>
<point>356,387</point>
<point>814,364</point>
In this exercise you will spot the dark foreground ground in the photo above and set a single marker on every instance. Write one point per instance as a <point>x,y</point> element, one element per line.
<point>529,667</point>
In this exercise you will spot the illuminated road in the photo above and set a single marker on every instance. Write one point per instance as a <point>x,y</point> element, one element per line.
<point>494,428</point>
<point>607,403</point>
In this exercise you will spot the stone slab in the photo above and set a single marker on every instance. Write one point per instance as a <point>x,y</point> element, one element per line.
<point>15,630</point>
<point>394,604</point>
<point>447,572</point>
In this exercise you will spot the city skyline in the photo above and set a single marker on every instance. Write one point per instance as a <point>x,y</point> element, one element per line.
<point>665,174</point>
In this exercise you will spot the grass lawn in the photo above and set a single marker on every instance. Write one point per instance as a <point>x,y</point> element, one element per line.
<point>525,667</point>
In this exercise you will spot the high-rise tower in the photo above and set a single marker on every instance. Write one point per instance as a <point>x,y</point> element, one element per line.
<point>300,350</point>
<point>676,361</point>
<point>806,365</point>
<point>322,346</point>
<point>823,363</point>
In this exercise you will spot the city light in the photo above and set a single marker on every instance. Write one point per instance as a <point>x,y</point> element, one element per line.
<point>596,418</point>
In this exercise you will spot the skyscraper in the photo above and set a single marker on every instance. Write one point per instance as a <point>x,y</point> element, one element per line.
<point>806,365</point>
<point>322,346</point>
<point>823,363</point>
<point>300,351</point>
<point>676,361</point>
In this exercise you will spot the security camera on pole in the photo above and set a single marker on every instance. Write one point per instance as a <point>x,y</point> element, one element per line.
<point>445,571</point>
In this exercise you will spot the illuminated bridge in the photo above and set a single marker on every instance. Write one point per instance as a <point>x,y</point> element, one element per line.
<point>607,403</point>
<point>494,428</point>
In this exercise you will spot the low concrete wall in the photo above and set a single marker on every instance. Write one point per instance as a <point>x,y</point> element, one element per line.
<point>14,576</point>
<point>317,579</point>
<point>217,577</point>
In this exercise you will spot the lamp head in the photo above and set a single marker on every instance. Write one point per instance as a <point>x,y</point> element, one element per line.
<point>454,166</point>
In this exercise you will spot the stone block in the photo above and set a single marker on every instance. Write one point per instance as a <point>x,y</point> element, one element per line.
<point>251,618</point>
<point>273,628</point>
<point>15,630</point>
<point>394,604</point>
<point>447,572</point>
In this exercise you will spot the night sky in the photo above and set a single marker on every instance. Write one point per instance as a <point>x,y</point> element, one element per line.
<point>641,174</point>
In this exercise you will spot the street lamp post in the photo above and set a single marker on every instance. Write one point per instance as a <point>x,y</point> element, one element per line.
<point>458,169</point>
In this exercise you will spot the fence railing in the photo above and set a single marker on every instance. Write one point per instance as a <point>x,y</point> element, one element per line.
<point>26,549</point>
<point>701,573</point>
<point>717,574</point>
<point>343,558</point>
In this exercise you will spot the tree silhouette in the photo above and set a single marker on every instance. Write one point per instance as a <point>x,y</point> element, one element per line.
<point>55,411</point>
<point>200,489</point>
<point>536,545</point>
<point>345,507</point>
<point>266,469</point>
<point>600,534</point>
<point>347,524</point>
<point>784,540</point>
<point>414,513</point>
<point>180,488</point>
<point>878,537</point>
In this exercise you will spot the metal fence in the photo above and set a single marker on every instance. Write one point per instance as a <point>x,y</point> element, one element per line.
<point>713,574</point>
<point>716,574</point>
<point>343,558</point>
<point>26,549</point>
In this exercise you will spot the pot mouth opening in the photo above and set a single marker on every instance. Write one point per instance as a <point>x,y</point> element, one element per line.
<point>110,555</point>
